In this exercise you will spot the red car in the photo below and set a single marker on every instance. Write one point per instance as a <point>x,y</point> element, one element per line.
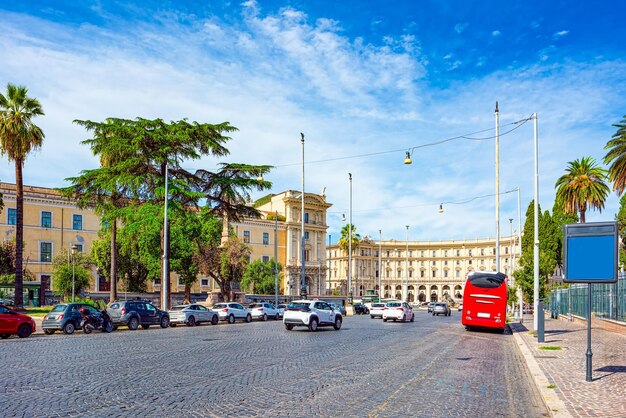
<point>12,322</point>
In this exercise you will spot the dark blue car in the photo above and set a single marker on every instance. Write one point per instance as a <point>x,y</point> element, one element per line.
<point>65,317</point>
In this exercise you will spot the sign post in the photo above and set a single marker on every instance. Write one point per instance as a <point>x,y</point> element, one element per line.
<point>590,253</point>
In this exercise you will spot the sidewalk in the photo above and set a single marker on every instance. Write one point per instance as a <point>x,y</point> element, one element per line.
<point>560,374</point>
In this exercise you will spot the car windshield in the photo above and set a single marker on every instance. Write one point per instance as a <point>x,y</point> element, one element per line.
<point>220,306</point>
<point>394,305</point>
<point>179,308</point>
<point>378,305</point>
<point>256,305</point>
<point>59,308</point>
<point>301,305</point>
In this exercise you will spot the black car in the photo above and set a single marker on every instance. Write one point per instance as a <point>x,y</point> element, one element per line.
<point>133,313</point>
<point>360,309</point>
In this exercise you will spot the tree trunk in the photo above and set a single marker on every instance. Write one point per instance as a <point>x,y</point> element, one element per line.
<point>187,293</point>
<point>18,299</point>
<point>582,215</point>
<point>113,290</point>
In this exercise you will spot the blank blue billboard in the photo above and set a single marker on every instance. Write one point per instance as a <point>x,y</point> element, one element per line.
<point>591,253</point>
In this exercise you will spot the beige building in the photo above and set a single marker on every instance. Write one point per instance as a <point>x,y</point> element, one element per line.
<point>418,270</point>
<point>52,224</point>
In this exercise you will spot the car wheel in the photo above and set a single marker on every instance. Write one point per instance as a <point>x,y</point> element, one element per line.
<point>289,327</point>
<point>5,336</point>
<point>384,319</point>
<point>404,318</point>
<point>48,331</point>
<point>394,319</point>
<point>337,324</point>
<point>277,317</point>
<point>264,318</point>
<point>109,328</point>
<point>133,324</point>
<point>165,322</point>
<point>412,317</point>
<point>145,326</point>
<point>69,328</point>
<point>215,320</point>
<point>173,325</point>
<point>87,328</point>
<point>231,319</point>
<point>24,331</point>
<point>248,318</point>
<point>313,325</point>
<point>372,316</point>
<point>191,321</point>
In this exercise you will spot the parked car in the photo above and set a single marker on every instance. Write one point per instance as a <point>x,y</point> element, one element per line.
<point>65,317</point>
<point>263,310</point>
<point>192,314</point>
<point>360,309</point>
<point>311,314</point>
<point>460,308</point>
<point>442,308</point>
<point>398,311</point>
<point>281,309</point>
<point>231,311</point>
<point>133,313</point>
<point>430,306</point>
<point>12,322</point>
<point>377,310</point>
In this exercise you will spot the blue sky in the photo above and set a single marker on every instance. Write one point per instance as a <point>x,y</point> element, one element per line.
<point>363,80</point>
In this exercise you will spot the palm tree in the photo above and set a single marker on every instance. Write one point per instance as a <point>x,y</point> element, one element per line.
<point>582,186</point>
<point>18,137</point>
<point>617,157</point>
<point>344,241</point>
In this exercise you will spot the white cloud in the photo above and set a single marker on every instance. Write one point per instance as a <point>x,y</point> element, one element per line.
<point>496,33</point>
<point>274,76</point>
<point>560,34</point>
<point>461,27</point>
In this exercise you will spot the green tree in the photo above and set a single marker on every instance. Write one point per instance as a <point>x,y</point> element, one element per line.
<point>344,241</point>
<point>583,186</point>
<point>260,277</point>
<point>620,217</point>
<point>560,219</point>
<point>70,274</point>
<point>616,157</point>
<point>18,137</point>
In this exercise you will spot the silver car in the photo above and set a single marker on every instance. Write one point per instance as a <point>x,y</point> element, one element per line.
<point>263,310</point>
<point>231,311</point>
<point>193,314</point>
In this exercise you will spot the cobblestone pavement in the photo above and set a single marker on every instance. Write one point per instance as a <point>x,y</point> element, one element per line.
<point>431,367</point>
<point>565,369</point>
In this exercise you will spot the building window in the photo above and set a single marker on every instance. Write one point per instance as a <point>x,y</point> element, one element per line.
<point>434,253</point>
<point>433,262</point>
<point>445,263</point>
<point>306,217</point>
<point>411,253</point>
<point>470,253</point>
<point>445,273</point>
<point>45,252</point>
<point>494,251</point>
<point>45,279</point>
<point>266,238</point>
<point>421,253</point>
<point>46,219</point>
<point>246,237</point>
<point>307,255</point>
<point>306,235</point>
<point>482,251</point>
<point>156,282</point>
<point>12,216</point>
<point>434,273</point>
<point>458,273</point>
<point>77,222</point>
<point>388,253</point>
<point>410,273</point>
<point>458,253</point>
<point>422,273</point>
<point>265,258</point>
<point>445,253</point>
<point>469,262</point>
<point>204,282</point>
<point>79,247</point>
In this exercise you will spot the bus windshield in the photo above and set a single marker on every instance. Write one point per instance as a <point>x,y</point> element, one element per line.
<point>487,281</point>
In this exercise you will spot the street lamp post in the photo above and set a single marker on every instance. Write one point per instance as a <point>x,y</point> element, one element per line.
<point>536,235</point>
<point>74,249</point>
<point>276,259</point>
<point>497,113</point>
<point>165,286</point>
<point>328,289</point>
<point>406,264</point>
<point>380,263</point>
<point>303,287</point>
<point>350,245</point>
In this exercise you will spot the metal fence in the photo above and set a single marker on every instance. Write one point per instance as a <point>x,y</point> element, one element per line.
<point>607,300</point>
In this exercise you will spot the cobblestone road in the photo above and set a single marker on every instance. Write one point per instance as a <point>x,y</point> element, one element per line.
<point>431,367</point>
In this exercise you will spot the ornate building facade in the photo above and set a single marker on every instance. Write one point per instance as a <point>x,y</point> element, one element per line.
<point>418,270</point>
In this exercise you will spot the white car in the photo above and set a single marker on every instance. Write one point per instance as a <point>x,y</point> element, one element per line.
<point>460,308</point>
<point>263,310</point>
<point>311,314</point>
<point>376,311</point>
<point>191,315</point>
<point>398,311</point>
<point>281,309</point>
<point>231,311</point>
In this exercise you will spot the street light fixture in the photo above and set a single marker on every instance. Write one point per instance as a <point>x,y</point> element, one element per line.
<point>74,248</point>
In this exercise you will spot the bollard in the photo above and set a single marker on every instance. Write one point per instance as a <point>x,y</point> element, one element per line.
<point>540,323</point>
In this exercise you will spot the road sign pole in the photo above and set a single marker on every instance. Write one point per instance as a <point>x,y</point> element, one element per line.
<point>589,354</point>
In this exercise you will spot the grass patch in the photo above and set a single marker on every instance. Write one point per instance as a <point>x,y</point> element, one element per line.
<point>550,347</point>
<point>551,386</point>
<point>43,310</point>
<point>532,332</point>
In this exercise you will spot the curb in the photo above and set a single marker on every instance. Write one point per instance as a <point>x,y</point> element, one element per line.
<point>555,406</point>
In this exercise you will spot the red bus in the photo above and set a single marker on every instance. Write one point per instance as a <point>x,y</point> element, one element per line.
<point>485,300</point>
